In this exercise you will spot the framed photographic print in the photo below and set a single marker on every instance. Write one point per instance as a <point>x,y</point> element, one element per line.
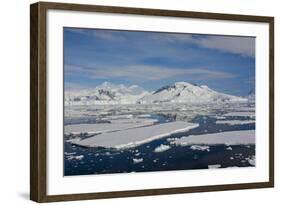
<point>134,102</point>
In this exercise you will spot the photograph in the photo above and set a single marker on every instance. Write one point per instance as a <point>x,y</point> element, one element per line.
<point>146,101</point>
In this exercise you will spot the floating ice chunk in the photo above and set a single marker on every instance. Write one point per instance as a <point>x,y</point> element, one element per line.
<point>235,122</point>
<point>136,136</point>
<point>70,153</point>
<point>229,138</point>
<point>129,116</point>
<point>136,160</point>
<point>240,114</point>
<point>79,157</point>
<point>73,140</point>
<point>214,166</point>
<point>252,160</point>
<point>229,148</point>
<point>170,139</point>
<point>200,147</point>
<point>162,148</point>
<point>220,117</point>
<point>144,115</point>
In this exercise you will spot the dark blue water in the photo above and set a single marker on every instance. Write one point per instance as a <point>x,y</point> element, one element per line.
<point>105,161</point>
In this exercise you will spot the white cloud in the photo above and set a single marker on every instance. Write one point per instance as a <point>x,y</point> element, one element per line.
<point>238,45</point>
<point>143,72</point>
<point>244,46</point>
<point>109,35</point>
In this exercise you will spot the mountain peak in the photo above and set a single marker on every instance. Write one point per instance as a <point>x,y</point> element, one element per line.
<point>179,92</point>
<point>183,92</point>
<point>252,92</point>
<point>178,84</point>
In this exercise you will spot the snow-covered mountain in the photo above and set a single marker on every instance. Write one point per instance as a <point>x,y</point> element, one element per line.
<point>105,93</point>
<point>182,92</point>
<point>251,95</point>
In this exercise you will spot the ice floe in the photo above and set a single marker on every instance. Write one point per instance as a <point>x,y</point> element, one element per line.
<point>75,139</point>
<point>214,166</point>
<point>102,127</point>
<point>136,136</point>
<point>200,147</point>
<point>220,117</point>
<point>229,148</point>
<point>71,157</point>
<point>240,114</point>
<point>137,160</point>
<point>133,120</point>
<point>235,122</point>
<point>251,160</point>
<point>162,148</point>
<point>170,139</point>
<point>229,138</point>
<point>69,153</point>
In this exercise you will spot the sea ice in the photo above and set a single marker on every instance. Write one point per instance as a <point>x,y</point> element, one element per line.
<point>69,153</point>
<point>235,122</point>
<point>214,166</point>
<point>162,148</point>
<point>200,147</point>
<point>251,160</point>
<point>229,148</point>
<point>240,114</point>
<point>136,160</point>
<point>102,127</point>
<point>229,138</point>
<point>71,157</point>
<point>136,136</point>
<point>133,120</point>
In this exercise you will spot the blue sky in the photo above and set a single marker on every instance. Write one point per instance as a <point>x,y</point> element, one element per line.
<point>153,59</point>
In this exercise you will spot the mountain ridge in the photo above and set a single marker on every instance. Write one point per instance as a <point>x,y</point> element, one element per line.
<point>179,92</point>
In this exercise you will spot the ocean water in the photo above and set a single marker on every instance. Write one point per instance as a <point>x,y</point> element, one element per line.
<point>87,161</point>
